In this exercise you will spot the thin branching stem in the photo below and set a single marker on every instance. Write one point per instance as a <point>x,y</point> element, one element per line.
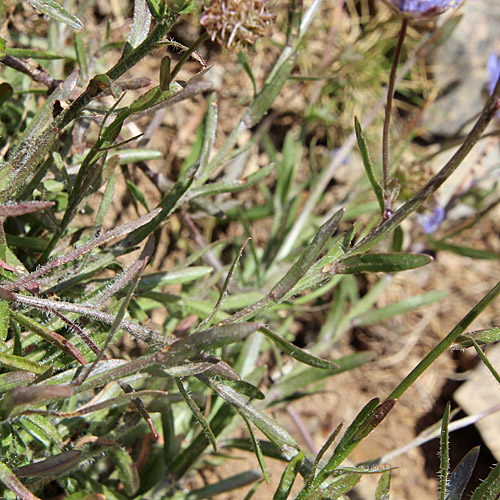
<point>388,110</point>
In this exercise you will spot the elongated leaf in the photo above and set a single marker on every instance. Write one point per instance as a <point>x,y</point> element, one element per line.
<point>401,307</point>
<point>364,423</point>
<point>11,380</point>
<point>257,450</point>
<point>42,430</point>
<point>484,336</point>
<point>342,485</point>
<point>298,353</point>
<point>55,11</point>
<point>305,261</point>
<point>33,395</point>
<point>380,263</point>
<point>12,482</point>
<point>322,452</point>
<point>267,425</point>
<point>225,485</point>
<point>127,470</point>
<point>212,338</point>
<point>200,418</point>
<point>50,336</point>
<point>383,487</point>
<point>6,91</point>
<point>489,489</point>
<point>297,380</point>
<point>473,253</point>
<point>444,453</point>
<point>140,26</point>
<point>179,276</point>
<point>87,247</point>
<point>288,477</point>
<point>20,363</point>
<point>52,466</point>
<point>245,388</point>
<point>368,164</point>
<point>459,478</point>
<point>33,54</point>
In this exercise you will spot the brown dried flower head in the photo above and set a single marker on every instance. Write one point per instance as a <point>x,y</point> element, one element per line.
<point>237,24</point>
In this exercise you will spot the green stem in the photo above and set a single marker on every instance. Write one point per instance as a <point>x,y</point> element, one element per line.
<point>122,66</point>
<point>489,111</point>
<point>445,343</point>
<point>187,54</point>
<point>388,109</point>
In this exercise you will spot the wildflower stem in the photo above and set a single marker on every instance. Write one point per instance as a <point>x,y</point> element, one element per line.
<point>445,343</point>
<point>388,109</point>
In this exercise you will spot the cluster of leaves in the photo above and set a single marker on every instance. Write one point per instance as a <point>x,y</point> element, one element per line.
<point>74,416</point>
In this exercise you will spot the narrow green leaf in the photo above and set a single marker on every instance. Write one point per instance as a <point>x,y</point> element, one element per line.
<point>486,361</point>
<point>380,263</point>
<point>383,487</point>
<point>137,194</point>
<point>53,466</point>
<point>257,450</point>
<point>81,55</point>
<point>209,128</point>
<point>20,363</point>
<point>322,452</point>
<point>368,164</point>
<point>165,75</point>
<point>6,92</point>
<point>167,204</point>
<point>305,261</point>
<point>42,430</point>
<point>245,388</point>
<point>55,11</point>
<point>461,475</point>
<point>140,26</point>
<point>266,424</point>
<point>33,395</point>
<point>298,379</point>
<point>484,336</point>
<point>364,423</point>
<point>242,58</point>
<point>199,417</point>
<point>137,155</point>
<point>4,320</point>
<point>2,46</point>
<point>288,477</point>
<point>489,489</point>
<point>225,485</point>
<point>12,380</point>
<point>444,454</point>
<point>401,307</point>
<point>397,240</point>
<point>12,482</point>
<point>296,352</point>
<point>342,485</point>
<point>473,253</point>
<point>127,470</point>
<point>212,338</point>
<point>33,54</point>
<point>268,93</point>
<point>106,200</point>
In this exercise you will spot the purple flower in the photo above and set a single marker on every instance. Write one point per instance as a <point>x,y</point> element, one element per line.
<point>431,223</point>
<point>493,67</point>
<point>422,8</point>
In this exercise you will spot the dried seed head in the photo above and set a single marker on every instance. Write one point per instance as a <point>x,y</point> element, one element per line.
<point>237,24</point>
